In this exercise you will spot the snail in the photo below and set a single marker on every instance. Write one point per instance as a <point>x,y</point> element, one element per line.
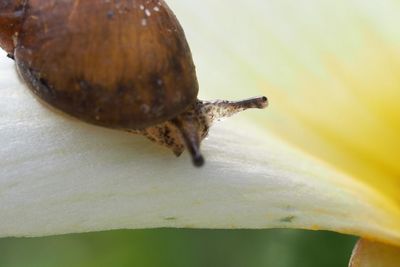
<point>121,64</point>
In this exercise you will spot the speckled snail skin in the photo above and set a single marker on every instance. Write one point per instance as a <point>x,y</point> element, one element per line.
<point>122,64</point>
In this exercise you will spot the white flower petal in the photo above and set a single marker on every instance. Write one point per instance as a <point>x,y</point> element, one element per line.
<point>59,175</point>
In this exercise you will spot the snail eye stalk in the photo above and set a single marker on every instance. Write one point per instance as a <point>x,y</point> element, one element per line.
<point>219,109</point>
<point>193,125</point>
<point>191,138</point>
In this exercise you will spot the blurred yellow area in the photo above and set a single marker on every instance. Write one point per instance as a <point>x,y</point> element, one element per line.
<point>350,116</point>
<point>330,68</point>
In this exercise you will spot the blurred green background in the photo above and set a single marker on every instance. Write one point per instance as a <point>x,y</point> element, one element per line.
<point>176,247</point>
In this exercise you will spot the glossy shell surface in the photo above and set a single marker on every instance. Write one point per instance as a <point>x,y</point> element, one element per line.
<point>121,64</point>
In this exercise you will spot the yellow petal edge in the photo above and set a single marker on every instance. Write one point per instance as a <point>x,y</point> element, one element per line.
<point>372,254</point>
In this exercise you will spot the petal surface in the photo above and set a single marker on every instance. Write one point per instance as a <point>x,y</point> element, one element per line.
<point>59,175</point>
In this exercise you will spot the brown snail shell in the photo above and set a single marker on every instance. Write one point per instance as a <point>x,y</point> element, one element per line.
<point>11,17</point>
<point>89,57</point>
<point>121,64</point>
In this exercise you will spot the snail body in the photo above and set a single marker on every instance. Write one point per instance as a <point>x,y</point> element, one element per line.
<point>119,64</point>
